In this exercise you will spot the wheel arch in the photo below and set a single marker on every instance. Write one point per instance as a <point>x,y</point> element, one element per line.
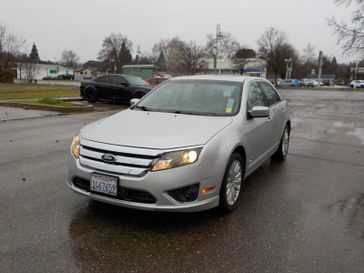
<point>242,152</point>
<point>138,91</point>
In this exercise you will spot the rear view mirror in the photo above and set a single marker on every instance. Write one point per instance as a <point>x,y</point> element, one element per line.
<point>259,112</point>
<point>134,101</point>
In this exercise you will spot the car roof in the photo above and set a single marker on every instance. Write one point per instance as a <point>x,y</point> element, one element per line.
<point>229,78</point>
<point>117,75</point>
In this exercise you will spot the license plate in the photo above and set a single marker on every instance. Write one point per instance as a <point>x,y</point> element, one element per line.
<point>104,184</point>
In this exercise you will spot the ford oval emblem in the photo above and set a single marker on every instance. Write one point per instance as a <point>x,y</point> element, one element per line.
<point>108,157</point>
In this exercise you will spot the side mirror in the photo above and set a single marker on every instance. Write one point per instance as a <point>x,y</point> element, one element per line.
<point>134,101</point>
<point>124,84</point>
<point>259,112</point>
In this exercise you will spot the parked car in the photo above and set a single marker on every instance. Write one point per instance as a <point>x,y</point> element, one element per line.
<point>290,83</point>
<point>155,81</point>
<point>186,146</point>
<point>66,77</point>
<point>310,83</point>
<point>357,84</point>
<point>114,86</point>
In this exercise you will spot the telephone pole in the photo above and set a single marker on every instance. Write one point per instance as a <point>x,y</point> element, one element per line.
<point>320,68</point>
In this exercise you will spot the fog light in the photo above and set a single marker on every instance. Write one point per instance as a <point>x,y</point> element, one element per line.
<point>206,190</point>
<point>185,194</point>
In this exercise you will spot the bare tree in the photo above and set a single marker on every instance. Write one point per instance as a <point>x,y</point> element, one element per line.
<point>192,53</point>
<point>351,35</point>
<point>224,47</point>
<point>174,55</point>
<point>275,48</point>
<point>112,49</point>
<point>70,59</point>
<point>9,42</point>
<point>309,58</point>
<point>158,48</point>
<point>10,46</point>
<point>243,55</point>
<point>31,70</point>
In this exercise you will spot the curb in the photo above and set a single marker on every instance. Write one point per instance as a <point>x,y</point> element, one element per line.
<point>61,109</point>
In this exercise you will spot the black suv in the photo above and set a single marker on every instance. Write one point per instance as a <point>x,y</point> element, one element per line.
<point>119,87</point>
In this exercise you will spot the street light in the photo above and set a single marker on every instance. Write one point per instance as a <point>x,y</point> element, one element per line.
<point>288,68</point>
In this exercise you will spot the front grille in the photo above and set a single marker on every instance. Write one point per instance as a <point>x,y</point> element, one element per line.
<point>128,161</point>
<point>126,194</point>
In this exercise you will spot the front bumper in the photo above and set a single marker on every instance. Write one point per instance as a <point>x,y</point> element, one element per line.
<point>156,184</point>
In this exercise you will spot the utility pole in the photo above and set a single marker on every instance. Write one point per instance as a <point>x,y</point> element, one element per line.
<point>356,70</point>
<point>320,68</point>
<point>218,35</point>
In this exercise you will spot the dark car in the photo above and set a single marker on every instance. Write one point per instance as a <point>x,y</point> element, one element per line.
<point>66,77</point>
<point>118,87</point>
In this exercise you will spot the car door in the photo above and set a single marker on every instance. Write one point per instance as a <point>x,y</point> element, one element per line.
<point>105,86</point>
<point>120,91</point>
<point>277,113</point>
<point>257,130</point>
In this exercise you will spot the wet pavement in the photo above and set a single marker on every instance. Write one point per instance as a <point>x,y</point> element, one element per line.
<point>303,215</point>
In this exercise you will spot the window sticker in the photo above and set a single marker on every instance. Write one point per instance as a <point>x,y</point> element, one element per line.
<point>229,106</point>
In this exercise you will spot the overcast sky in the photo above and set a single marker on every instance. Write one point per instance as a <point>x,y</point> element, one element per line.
<point>81,25</point>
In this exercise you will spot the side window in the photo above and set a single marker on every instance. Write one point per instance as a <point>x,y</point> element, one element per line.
<point>105,79</point>
<point>118,80</point>
<point>270,93</point>
<point>255,96</point>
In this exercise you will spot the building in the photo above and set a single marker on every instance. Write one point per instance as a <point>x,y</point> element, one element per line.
<point>326,79</point>
<point>253,67</point>
<point>87,73</point>
<point>143,71</point>
<point>39,71</point>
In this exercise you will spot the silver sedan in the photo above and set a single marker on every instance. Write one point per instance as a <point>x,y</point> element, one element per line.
<point>188,145</point>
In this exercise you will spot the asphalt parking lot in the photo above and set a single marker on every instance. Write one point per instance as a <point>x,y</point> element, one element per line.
<point>303,215</point>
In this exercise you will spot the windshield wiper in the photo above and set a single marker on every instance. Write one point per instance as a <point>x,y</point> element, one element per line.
<point>194,113</point>
<point>142,108</point>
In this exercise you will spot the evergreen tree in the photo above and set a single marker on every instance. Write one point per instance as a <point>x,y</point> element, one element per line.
<point>124,55</point>
<point>34,56</point>
<point>161,62</point>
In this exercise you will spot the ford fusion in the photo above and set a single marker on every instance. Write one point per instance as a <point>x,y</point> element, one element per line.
<point>186,146</point>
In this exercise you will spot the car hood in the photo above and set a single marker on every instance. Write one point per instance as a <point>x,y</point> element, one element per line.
<point>154,129</point>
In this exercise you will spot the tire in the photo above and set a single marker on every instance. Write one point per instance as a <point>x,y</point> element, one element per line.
<point>138,95</point>
<point>282,151</point>
<point>91,95</point>
<point>230,190</point>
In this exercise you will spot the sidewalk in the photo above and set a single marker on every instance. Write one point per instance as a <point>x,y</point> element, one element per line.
<point>10,113</point>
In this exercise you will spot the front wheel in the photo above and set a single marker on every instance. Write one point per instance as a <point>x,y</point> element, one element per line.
<point>91,95</point>
<point>282,151</point>
<point>231,186</point>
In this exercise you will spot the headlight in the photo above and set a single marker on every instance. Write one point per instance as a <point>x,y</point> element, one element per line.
<point>75,146</point>
<point>176,159</point>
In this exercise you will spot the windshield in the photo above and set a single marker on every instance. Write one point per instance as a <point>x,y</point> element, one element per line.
<point>194,97</point>
<point>134,80</point>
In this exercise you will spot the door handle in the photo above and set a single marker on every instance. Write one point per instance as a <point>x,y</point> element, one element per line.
<point>283,110</point>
